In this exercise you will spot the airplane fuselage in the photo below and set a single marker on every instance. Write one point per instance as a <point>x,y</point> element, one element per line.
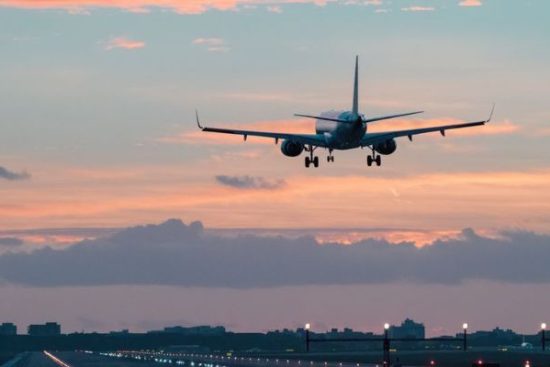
<point>341,135</point>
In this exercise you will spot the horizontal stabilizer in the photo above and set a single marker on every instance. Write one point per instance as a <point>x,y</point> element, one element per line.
<point>321,118</point>
<point>391,116</point>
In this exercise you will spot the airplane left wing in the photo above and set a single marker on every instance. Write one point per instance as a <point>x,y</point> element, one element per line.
<point>306,139</point>
<point>374,138</point>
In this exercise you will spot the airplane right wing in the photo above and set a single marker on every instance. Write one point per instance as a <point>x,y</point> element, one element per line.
<point>374,138</point>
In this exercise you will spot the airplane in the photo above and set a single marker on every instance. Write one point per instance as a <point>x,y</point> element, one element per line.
<point>342,131</point>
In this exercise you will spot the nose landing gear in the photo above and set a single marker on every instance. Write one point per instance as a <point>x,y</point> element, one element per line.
<point>330,157</point>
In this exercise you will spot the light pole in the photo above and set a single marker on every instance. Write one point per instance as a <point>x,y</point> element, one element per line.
<point>307,327</point>
<point>465,328</point>
<point>386,345</point>
<point>543,335</point>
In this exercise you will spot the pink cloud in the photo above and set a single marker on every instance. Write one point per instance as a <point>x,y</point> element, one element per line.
<point>179,6</point>
<point>470,3</point>
<point>125,43</point>
<point>212,44</point>
<point>275,9</point>
<point>418,8</point>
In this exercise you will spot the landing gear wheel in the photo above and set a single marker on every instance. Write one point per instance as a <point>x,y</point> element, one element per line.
<point>316,162</point>
<point>378,160</point>
<point>369,160</point>
<point>307,162</point>
<point>328,158</point>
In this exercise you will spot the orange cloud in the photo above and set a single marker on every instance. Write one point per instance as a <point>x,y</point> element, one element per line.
<point>123,42</point>
<point>180,6</point>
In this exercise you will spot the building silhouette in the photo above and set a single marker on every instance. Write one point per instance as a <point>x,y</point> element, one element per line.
<point>47,329</point>
<point>408,329</point>
<point>193,330</point>
<point>8,328</point>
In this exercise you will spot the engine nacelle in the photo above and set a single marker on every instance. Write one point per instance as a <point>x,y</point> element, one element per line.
<point>386,147</point>
<point>292,148</point>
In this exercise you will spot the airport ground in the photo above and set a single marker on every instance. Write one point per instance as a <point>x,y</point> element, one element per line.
<point>481,357</point>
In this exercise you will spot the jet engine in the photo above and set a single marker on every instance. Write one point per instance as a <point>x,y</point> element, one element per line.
<point>292,148</point>
<point>386,147</point>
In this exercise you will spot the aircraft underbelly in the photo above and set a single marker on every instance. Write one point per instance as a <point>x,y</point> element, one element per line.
<point>340,136</point>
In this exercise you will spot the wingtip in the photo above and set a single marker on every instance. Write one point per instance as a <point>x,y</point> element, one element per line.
<point>491,114</point>
<point>198,120</point>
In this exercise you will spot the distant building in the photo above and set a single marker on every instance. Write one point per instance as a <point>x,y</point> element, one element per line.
<point>7,328</point>
<point>47,329</point>
<point>408,329</point>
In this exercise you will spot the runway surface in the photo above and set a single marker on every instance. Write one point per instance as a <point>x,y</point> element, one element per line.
<point>142,359</point>
<point>73,359</point>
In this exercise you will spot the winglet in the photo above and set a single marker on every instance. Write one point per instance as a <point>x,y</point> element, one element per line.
<point>198,121</point>
<point>491,115</point>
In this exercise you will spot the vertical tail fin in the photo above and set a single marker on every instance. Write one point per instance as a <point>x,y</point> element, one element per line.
<point>356,88</point>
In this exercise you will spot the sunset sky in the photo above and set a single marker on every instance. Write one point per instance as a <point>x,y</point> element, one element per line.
<point>97,133</point>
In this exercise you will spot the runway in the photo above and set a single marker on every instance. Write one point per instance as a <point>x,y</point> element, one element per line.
<point>146,359</point>
<point>72,359</point>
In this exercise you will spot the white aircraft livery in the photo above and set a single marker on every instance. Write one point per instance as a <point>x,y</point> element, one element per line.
<point>342,131</point>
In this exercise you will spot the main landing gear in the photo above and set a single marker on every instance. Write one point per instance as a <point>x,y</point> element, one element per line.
<point>311,159</point>
<point>374,158</point>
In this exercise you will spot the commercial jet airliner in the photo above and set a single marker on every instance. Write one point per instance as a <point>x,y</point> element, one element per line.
<point>342,131</point>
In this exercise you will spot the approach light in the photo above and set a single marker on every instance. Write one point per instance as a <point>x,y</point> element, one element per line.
<point>308,326</point>
<point>543,326</point>
<point>386,326</point>
<point>465,326</point>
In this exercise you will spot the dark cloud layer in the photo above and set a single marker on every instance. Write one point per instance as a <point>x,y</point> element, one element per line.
<point>177,254</point>
<point>6,174</point>
<point>10,242</point>
<point>249,182</point>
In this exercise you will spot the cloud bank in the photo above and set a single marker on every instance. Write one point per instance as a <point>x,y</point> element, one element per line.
<point>10,242</point>
<point>173,253</point>
<point>6,174</point>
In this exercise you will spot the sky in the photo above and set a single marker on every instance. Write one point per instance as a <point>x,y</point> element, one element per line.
<point>97,105</point>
